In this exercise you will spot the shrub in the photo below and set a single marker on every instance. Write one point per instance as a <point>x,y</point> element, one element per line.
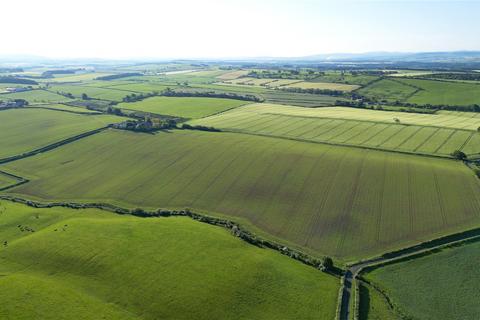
<point>459,155</point>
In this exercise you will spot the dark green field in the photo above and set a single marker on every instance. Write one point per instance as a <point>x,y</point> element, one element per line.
<point>445,279</point>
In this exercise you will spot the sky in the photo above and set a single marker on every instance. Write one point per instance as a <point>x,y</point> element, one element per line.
<point>121,29</point>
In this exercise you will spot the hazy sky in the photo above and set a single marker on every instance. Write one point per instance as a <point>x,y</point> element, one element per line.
<point>234,28</point>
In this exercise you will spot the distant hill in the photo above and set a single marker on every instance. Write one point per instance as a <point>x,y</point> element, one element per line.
<point>444,57</point>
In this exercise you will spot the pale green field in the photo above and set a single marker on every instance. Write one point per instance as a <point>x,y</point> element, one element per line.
<point>185,107</point>
<point>35,96</point>
<point>414,133</point>
<point>233,75</point>
<point>141,87</point>
<point>345,202</point>
<point>27,129</point>
<point>77,77</point>
<point>62,107</point>
<point>91,264</point>
<point>113,94</point>
<point>323,86</point>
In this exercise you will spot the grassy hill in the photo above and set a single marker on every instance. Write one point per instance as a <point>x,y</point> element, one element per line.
<point>91,264</point>
<point>344,202</point>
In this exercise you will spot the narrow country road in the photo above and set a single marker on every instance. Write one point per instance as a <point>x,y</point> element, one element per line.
<point>354,269</point>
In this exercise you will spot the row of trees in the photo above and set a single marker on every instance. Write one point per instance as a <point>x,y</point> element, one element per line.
<point>15,80</point>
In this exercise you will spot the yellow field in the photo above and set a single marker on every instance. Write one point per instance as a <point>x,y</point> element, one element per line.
<point>233,75</point>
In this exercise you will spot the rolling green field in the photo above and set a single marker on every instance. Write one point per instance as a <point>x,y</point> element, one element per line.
<point>62,107</point>
<point>97,265</point>
<point>413,133</point>
<point>185,107</point>
<point>424,92</point>
<point>444,93</point>
<point>113,94</point>
<point>388,90</point>
<point>35,96</point>
<point>323,86</point>
<point>6,180</point>
<point>344,202</point>
<point>441,285</point>
<point>28,129</point>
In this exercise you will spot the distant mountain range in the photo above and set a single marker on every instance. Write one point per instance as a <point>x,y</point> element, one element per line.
<point>446,57</point>
<point>443,57</point>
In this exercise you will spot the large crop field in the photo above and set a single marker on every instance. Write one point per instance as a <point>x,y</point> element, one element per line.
<point>37,96</point>
<point>114,93</point>
<point>28,129</point>
<point>69,264</point>
<point>395,131</point>
<point>388,90</point>
<point>446,280</point>
<point>444,93</point>
<point>323,86</point>
<point>183,107</point>
<point>345,202</point>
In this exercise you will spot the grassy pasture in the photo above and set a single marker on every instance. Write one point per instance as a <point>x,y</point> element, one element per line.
<point>28,129</point>
<point>83,77</point>
<point>388,90</point>
<point>424,134</point>
<point>98,265</point>
<point>344,202</point>
<point>323,86</point>
<point>35,96</point>
<point>113,94</point>
<point>185,107</point>
<point>63,107</point>
<point>142,87</point>
<point>444,93</point>
<point>6,180</point>
<point>347,78</point>
<point>446,280</point>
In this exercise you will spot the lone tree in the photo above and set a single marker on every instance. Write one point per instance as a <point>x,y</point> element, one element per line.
<point>85,96</point>
<point>459,155</point>
<point>327,264</point>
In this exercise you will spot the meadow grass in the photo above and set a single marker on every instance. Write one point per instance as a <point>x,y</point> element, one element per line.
<point>92,264</point>
<point>37,96</point>
<point>113,94</point>
<point>63,107</point>
<point>444,93</point>
<point>344,202</point>
<point>6,180</point>
<point>27,129</point>
<point>441,285</point>
<point>394,131</point>
<point>388,90</point>
<point>323,86</point>
<point>185,107</point>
